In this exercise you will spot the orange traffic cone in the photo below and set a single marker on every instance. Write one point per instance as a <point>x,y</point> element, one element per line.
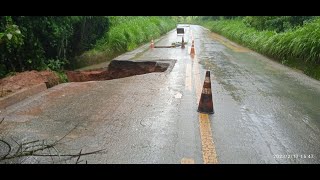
<point>152,44</point>
<point>192,52</point>
<point>182,43</point>
<point>206,104</point>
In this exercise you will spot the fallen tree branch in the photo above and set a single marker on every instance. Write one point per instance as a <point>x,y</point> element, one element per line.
<point>56,142</point>
<point>71,155</point>
<point>31,148</point>
<point>20,145</point>
<point>9,149</point>
<point>79,157</point>
<point>51,156</point>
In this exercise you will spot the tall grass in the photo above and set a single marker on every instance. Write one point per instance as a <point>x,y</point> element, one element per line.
<point>297,45</point>
<point>126,33</point>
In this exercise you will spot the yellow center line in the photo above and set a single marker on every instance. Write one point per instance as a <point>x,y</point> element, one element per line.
<point>209,154</point>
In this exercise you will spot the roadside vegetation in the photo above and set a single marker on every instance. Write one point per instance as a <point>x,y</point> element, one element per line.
<point>127,33</point>
<point>62,42</point>
<point>291,40</point>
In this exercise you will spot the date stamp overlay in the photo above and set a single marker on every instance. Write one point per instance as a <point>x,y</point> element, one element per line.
<point>294,156</point>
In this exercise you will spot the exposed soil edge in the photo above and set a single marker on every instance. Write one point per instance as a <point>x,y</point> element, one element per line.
<point>121,69</point>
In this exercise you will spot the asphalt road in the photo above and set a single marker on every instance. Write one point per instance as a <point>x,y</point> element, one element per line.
<point>264,111</point>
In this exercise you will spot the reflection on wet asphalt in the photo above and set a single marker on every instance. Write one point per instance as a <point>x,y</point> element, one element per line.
<point>264,111</point>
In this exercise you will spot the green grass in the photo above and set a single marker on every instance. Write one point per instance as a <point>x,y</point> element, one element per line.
<point>126,34</point>
<point>298,48</point>
<point>134,31</point>
<point>62,76</point>
<point>307,68</point>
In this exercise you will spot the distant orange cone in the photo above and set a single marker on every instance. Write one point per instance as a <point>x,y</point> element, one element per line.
<point>205,103</point>
<point>182,43</point>
<point>192,51</point>
<point>152,44</point>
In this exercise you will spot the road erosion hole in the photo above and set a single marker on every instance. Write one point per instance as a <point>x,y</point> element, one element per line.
<point>120,69</point>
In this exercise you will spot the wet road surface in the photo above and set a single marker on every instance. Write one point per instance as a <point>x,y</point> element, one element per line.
<point>264,111</point>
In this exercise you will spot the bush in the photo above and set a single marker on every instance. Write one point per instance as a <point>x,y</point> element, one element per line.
<point>276,23</point>
<point>63,78</point>
<point>34,41</point>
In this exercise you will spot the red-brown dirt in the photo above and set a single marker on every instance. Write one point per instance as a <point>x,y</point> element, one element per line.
<point>25,79</point>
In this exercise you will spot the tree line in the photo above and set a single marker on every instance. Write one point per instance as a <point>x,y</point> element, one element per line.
<point>64,42</point>
<point>40,42</point>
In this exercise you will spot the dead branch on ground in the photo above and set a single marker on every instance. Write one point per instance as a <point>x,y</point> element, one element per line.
<point>35,148</point>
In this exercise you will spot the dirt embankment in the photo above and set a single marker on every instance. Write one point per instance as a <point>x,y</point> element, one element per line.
<point>27,79</point>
